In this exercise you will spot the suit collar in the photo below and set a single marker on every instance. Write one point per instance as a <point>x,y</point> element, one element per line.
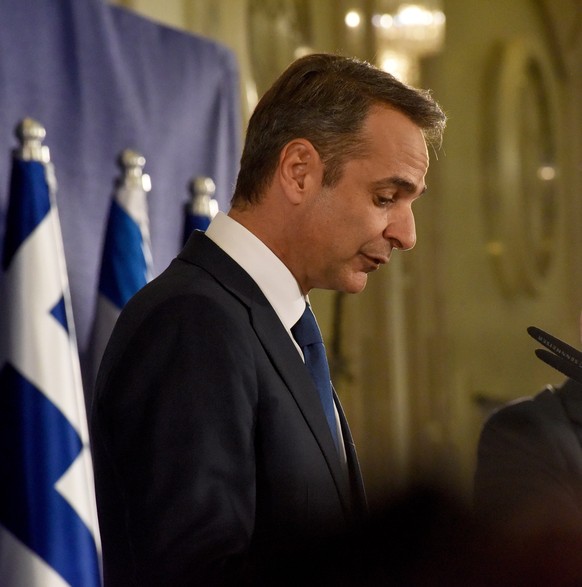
<point>268,271</point>
<point>201,251</point>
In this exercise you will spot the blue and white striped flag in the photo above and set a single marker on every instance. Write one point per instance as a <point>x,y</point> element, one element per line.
<point>48,522</point>
<point>126,264</point>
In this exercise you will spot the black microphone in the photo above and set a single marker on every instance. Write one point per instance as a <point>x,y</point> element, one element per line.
<point>558,354</point>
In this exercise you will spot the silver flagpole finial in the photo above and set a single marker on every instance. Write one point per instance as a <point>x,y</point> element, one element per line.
<point>31,133</point>
<point>202,201</point>
<point>132,164</point>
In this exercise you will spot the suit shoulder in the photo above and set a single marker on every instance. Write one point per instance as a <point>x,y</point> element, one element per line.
<point>184,302</point>
<point>545,405</point>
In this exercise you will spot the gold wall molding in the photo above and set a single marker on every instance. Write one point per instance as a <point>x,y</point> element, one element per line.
<point>523,196</point>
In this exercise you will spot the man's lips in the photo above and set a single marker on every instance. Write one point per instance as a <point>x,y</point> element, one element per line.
<point>376,259</point>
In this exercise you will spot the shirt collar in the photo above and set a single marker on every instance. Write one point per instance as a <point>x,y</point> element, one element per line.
<point>268,271</point>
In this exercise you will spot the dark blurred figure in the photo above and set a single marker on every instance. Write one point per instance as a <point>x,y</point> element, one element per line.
<point>529,467</point>
<point>428,537</point>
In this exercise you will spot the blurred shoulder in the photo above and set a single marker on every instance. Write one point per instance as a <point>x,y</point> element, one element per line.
<point>545,409</point>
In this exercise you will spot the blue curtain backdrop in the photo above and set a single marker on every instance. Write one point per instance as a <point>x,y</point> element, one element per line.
<point>102,79</point>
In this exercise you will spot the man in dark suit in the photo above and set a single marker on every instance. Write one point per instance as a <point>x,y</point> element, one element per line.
<point>213,452</point>
<point>529,468</point>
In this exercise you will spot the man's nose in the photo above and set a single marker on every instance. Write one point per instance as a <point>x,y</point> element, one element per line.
<point>401,229</point>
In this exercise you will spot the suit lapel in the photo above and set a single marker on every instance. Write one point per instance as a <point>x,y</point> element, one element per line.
<point>201,251</point>
<point>293,371</point>
<point>358,492</point>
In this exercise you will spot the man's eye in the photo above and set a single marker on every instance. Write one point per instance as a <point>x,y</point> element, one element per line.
<point>384,200</point>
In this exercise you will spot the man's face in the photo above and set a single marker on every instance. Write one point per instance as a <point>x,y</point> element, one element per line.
<point>354,225</point>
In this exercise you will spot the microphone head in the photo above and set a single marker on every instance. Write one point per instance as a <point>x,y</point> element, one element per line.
<point>558,354</point>
<point>559,364</point>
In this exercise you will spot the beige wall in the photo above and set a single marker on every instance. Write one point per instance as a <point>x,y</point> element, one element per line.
<point>478,335</point>
<point>437,329</point>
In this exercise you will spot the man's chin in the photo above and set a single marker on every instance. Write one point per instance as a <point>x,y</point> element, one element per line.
<point>356,284</point>
<point>353,283</point>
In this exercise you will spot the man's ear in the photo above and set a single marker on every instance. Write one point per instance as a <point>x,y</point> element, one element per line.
<point>299,167</point>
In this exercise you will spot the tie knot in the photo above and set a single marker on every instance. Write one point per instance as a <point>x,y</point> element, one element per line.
<point>306,331</point>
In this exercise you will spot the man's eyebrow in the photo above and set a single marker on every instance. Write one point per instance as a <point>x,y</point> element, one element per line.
<point>408,186</point>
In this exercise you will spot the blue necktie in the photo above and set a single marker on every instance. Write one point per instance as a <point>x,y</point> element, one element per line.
<point>306,333</point>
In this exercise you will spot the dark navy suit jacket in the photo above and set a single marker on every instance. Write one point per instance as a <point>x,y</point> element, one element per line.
<point>529,467</point>
<point>211,449</point>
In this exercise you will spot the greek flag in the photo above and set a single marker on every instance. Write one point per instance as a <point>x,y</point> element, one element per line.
<point>126,264</point>
<point>48,522</point>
